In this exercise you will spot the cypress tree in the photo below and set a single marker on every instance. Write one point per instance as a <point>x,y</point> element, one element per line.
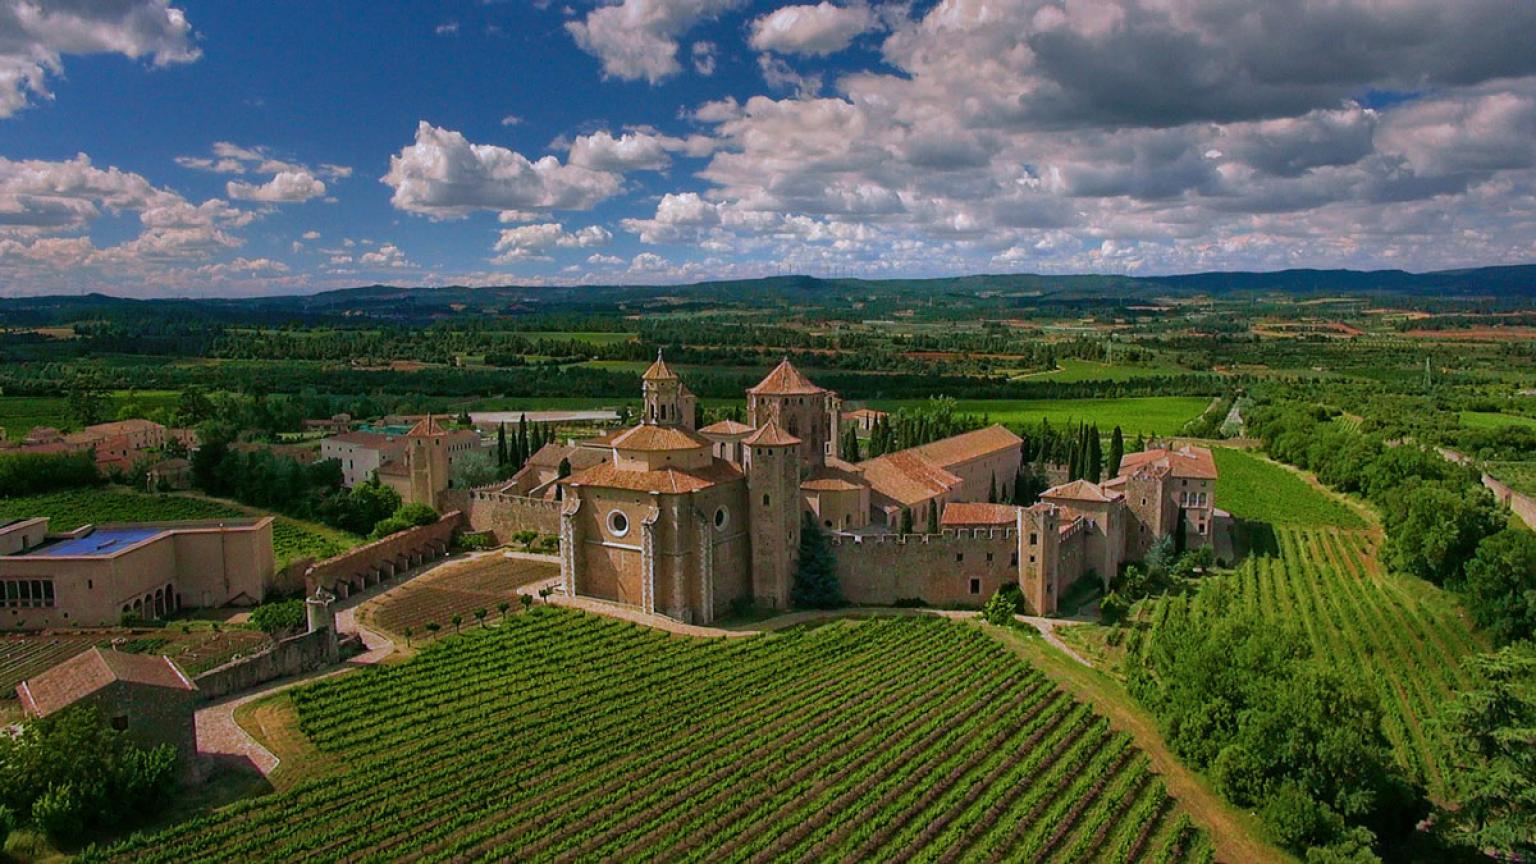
<point>522,441</point>
<point>501,443</point>
<point>906,521</point>
<point>1072,466</point>
<point>1095,456</point>
<point>933,518</point>
<point>1179,526</point>
<point>992,489</point>
<point>1116,451</point>
<point>816,574</point>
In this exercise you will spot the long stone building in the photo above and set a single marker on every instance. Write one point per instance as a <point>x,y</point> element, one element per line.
<point>686,522</point>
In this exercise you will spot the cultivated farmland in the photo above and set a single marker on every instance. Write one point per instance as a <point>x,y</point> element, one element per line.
<point>1255,489</point>
<point>1400,636</point>
<point>456,588</point>
<point>1146,415</point>
<point>562,735</point>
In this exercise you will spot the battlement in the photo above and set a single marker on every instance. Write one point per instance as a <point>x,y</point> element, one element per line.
<point>492,497</point>
<point>947,537</point>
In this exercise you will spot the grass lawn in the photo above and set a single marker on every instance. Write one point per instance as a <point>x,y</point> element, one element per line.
<point>1494,420</point>
<point>291,538</point>
<point>1256,489</point>
<point>1148,415</point>
<point>18,414</point>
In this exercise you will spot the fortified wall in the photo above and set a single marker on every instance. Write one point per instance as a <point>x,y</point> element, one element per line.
<point>374,562</point>
<point>961,567</point>
<point>294,655</point>
<point>1520,504</point>
<point>505,515</point>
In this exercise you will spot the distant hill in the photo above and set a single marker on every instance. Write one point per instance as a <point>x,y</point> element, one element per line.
<point>995,291</point>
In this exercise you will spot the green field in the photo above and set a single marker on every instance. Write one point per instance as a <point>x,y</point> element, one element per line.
<point>18,414</point>
<point>1521,476</point>
<point>1494,420</point>
<point>291,538</point>
<point>1400,637</point>
<point>1146,415</point>
<point>1072,370</point>
<point>564,736</point>
<point>1255,489</point>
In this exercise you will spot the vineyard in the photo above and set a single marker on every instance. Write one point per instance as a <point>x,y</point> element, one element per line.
<point>456,588</point>
<point>563,736</point>
<point>195,649</point>
<point>1255,489</point>
<point>1402,637</point>
<point>291,538</point>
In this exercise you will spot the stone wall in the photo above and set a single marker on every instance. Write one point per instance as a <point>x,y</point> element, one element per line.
<point>939,569</point>
<point>371,563</point>
<point>505,515</point>
<point>292,656</point>
<point>1521,505</point>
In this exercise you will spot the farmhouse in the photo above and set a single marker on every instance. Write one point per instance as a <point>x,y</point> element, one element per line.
<point>686,522</point>
<point>144,696</point>
<point>95,575</point>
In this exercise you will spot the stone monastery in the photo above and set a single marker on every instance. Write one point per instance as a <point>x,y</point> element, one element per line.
<point>685,522</point>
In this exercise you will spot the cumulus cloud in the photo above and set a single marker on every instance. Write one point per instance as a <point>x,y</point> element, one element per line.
<point>629,152</point>
<point>388,255</point>
<point>285,188</point>
<point>35,37</point>
<point>811,30</point>
<point>444,176</point>
<point>637,39</point>
<point>530,242</point>
<point>704,58</point>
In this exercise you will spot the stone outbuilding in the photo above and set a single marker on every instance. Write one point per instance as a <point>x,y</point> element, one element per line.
<point>145,696</point>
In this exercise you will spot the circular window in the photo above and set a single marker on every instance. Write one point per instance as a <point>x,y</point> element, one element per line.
<point>722,518</point>
<point>618,523</point>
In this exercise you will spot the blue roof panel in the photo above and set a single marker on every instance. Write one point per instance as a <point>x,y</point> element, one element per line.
<point>101,542</point>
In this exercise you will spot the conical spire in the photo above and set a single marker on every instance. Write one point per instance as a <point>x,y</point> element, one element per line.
<point>659,370</point>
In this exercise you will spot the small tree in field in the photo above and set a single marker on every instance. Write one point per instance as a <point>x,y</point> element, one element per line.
<point>502,607</point>
<point>526,600</point>
<point>433,627</point>
<point>544,594</point>
<point>408,634</point>
<point>480,616</point>
<point>457,620</point>
<point>525,537</point>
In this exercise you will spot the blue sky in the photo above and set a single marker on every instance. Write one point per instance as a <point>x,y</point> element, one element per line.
<point>183,147</point>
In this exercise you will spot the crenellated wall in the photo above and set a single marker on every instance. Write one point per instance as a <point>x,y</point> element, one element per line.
<point>939,569</point>
<point>505,515</point>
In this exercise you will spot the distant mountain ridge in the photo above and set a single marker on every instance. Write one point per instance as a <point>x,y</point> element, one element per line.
<point>390,301</point>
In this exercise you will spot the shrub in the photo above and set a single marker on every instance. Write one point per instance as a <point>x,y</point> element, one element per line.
<point>416,514</point>
<point>1002,606</point>
<point>35,473</point>
<point>385,527</point>
<point>59,812</point>
<point>277,618</point>
<point>1113,608</point>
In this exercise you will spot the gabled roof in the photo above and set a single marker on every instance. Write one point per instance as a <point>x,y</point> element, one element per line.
<point>969,445</point>
<point>835,476</point>
<point>785,380</point>
<point>649,438</point>
<point>80,676</point>
<point>771,434</point>
<point>659,371</point>
<point>907,478</point>
<point>394,468</point>
<point>1078,490</point>
<point>662,480</point>
<point>1194,463</point>
<point>371,440</point>
<point>971,513</point>
<point>726,428</point>
<point>427,427</point>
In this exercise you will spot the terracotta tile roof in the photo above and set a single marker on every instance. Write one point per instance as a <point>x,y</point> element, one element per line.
<point>785,380</point>
<point>427,427</point>
<point>1079,490</point>
<point>864,412</point>
<point>907,477</point>
<point>603,441</point>
<point>651,439</point>
<point>84,674</point>
<point>662,480</point>
<point>969,445</point>
<point>1193,463</point>
<point>122,427</point>
<point>659,371</point>
<point>394,468</point>
<point>968,513</point>
<point>726,427</point>
<point>771,434</point>
<point>835,476</point>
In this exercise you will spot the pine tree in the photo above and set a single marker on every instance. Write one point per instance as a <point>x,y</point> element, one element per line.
<point>816,584</point>
<point>1116,451</point>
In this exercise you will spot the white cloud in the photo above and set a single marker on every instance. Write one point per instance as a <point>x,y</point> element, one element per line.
<point>631,151</point>
<point>287,187</point>
<point>529,242</point>
<point>311,235</point>
<point>230,158</point>
<point>387,255</point>
<point>600,260</point>
<point>679,217</point>
<point>35,37</point>
<point>811,30</point>
<point>704,58</point>
<point>648,262</point>
<point>444,176</point>
<point>447,28</point>
<point>511,120</point>
<point>637,39</point>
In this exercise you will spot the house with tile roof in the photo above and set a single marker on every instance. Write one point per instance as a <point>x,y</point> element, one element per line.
<point>145,696</point>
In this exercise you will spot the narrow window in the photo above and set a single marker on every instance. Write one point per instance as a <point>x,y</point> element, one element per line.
<point>975,586</point>
<point>120,722</point>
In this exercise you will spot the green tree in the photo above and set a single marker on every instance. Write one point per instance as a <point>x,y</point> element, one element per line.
<point>1500,585</point>
<point>457,619</point>
<point>1003,605</point>
<point>526,600</point>
<point>933,517</point>
<point>87,403</point>
<point>501,443</point>
<point>1493,725</point>
<point>816,585</point>
<point>502,607</point>
<point>480,616</point>
<point>1433,529</point>
<point>279,617</point>
<point>473,469</point>
<point>1095,471</point>
<point>906,520</point>
<point>1116,452</point>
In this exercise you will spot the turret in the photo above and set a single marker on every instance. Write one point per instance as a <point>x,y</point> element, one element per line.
<point>772,458</point>
<point>667,401</point>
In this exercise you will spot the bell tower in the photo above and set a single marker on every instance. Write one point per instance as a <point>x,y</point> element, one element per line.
<point>772,458</point>
<point>667,401</point>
